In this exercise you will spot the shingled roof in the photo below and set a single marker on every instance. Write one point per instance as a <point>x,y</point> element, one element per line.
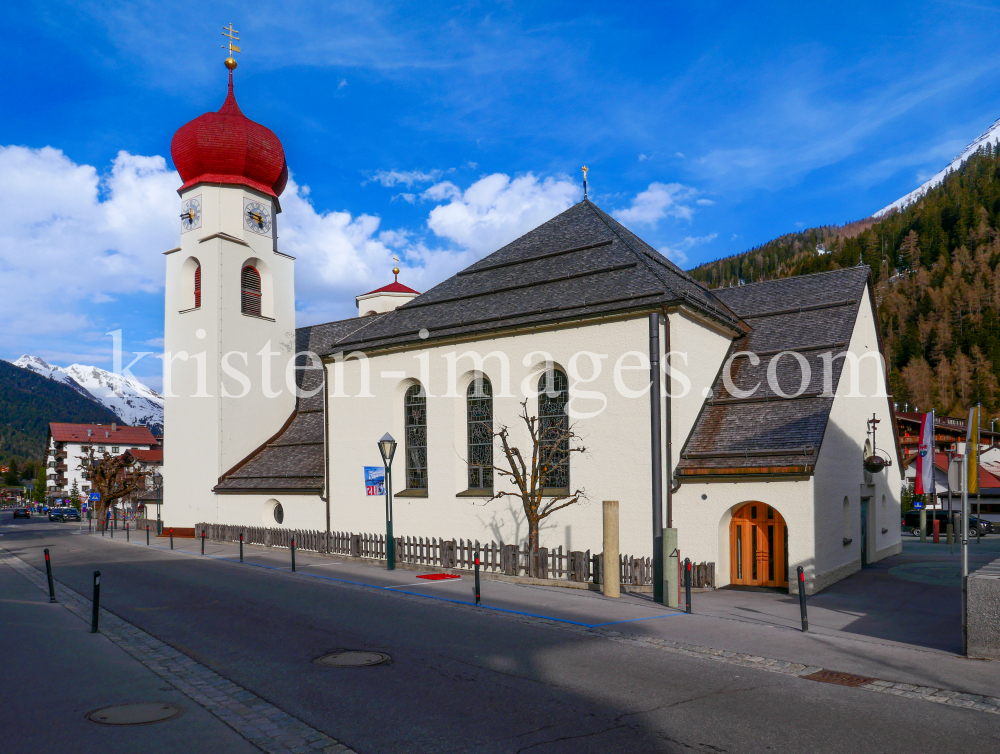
<point>766,433</point>
<point>581,263</point>
<point>292,461</point>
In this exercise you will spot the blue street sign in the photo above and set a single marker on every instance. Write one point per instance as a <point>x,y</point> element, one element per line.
<point>918,504</point>
<point>375,480</point>
<point>95,496</point>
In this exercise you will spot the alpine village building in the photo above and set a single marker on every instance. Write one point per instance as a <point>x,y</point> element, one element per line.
<point>761,450</point>
<point>67,444</point>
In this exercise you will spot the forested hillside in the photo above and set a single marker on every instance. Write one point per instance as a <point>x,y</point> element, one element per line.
<point>935,267</point>
<point>28,402</point>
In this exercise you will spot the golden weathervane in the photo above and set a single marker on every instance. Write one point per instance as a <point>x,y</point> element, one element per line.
<point>585,169</point>
<point>229,31</point>
<point>395,269</point>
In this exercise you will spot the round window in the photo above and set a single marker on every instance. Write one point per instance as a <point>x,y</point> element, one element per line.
<point>279,513</point>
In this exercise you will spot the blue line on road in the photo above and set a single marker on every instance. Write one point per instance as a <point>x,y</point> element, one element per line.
<point>415,594</point>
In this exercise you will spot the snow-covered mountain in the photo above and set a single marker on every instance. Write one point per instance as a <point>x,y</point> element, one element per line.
<point>990,136</point>
<point>130,400</point>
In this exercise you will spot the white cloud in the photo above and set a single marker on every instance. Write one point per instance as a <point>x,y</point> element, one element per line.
<point>71,236</point>
<point>75,242</point>
<point>677,252</point>
<point>342,83</point>
<point>495,210</point>
<point>658,201</point>
<point>408,178</point>
<point>643,157</point>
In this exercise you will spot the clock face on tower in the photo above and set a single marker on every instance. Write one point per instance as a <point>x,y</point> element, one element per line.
<point>256,217</point>
<point>191,214</point>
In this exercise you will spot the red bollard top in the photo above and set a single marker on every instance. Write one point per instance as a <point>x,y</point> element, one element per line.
<point>46,554</point>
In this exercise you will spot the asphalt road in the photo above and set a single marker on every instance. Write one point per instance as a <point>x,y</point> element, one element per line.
<point>463,679</point>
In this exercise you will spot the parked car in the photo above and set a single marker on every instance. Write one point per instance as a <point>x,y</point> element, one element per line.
<point>70,514</point>
<point>22,513</point>
<point>54,514</point>
<point>911,521</point>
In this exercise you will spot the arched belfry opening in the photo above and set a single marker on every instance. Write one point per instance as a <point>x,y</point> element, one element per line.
<point>758,546</point>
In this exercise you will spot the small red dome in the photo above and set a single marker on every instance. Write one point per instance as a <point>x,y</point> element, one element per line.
<point>228,147</point>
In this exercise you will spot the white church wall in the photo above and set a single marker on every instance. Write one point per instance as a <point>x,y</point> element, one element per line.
<point>615,466</point>
<point>299,512</point>
<point>839,471</point>
<point>703,512</point>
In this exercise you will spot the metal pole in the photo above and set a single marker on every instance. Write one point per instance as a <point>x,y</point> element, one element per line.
<point>293,554</point>
<point>951,518</point>
<point>97,602</point>
<point>656,453</point>
<point>48,572</point>
<point>147,535</point>
<point>202,541</point>
<point>802,598</point>
<point>171,538</point>
<point>390,553</point>
<point>965,547</point>
<point>477,577</point>
<point>687,585</point>
<point>241,547</point>
<point>127,536</point>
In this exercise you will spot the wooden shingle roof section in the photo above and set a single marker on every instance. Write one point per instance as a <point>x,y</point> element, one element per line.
<point>768,433</point>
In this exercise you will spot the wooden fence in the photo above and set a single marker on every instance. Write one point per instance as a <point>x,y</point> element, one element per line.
<point>511,560</point>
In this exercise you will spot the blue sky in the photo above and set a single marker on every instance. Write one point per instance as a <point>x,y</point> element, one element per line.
<point>438,132</point>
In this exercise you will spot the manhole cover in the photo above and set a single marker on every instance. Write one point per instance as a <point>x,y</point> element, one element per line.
<point>350,658</point>
<point>841,679</point>
<point>135,714</point>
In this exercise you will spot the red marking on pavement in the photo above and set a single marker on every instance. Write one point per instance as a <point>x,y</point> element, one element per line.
<point>439,576</point>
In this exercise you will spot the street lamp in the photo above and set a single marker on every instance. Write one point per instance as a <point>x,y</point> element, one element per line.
<point>158,482</point>
<point>387,447</point>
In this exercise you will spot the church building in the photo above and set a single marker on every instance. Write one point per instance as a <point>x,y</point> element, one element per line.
<point>755,447</point>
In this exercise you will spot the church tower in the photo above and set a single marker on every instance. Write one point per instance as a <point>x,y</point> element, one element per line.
<point>229,327</point>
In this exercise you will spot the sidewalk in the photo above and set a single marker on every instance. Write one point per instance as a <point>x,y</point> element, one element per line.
<point>865,625</point>
<point>56,671</point>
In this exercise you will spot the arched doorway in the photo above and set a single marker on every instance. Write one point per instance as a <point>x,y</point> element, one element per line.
<point>758,547</point>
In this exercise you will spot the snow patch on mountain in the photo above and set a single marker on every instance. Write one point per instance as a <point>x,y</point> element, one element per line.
<point>990,136</point>
<point>131,401</point>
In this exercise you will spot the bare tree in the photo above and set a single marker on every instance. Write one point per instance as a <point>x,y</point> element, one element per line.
<point>113,477</point>
<point>551,446</point>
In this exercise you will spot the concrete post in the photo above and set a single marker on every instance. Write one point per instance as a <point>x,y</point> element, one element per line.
<point>610,585</point>
<point>671,567</point>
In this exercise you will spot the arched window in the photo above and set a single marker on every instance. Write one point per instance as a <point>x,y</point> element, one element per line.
<point>415,406</point>
<point>553,429</point>
<point>197,287</point>
<point>250,291</point>
<point>479,412</point>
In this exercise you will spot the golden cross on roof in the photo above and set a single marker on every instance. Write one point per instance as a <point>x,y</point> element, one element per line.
<point>229,31</point>
<point>395,268</point>
<point>585,169</point>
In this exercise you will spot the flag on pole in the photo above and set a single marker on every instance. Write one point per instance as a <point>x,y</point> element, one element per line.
<point>925,457</point>
<point>972,450</point>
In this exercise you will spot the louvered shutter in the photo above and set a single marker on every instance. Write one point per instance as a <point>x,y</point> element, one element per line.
<point>250,291</point>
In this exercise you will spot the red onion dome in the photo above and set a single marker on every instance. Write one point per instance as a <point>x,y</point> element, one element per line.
<point>228,147</point>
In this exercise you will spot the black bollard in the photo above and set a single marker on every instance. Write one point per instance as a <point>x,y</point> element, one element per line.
<point>112,530</point>
<point>48,571</point>
<point>147,535</point>
<point>102,529</point>
<point>293,553</point>
<point>241,547</point>
<point>687,585</point>
<point>477,578</point>
<point>202,541</point>
<point>97,602</point>
<point>127,539</point>
<point>802,598</point>
<point>171,538</point>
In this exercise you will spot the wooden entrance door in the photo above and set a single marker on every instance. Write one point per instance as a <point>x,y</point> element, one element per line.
<point>758,547</point>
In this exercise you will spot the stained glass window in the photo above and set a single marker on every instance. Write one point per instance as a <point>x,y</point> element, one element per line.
<point>415,406</point>
<point>479,403</point>
<point>553,428</point>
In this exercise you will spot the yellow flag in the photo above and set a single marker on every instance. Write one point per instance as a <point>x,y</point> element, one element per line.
<point>972,450</point>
